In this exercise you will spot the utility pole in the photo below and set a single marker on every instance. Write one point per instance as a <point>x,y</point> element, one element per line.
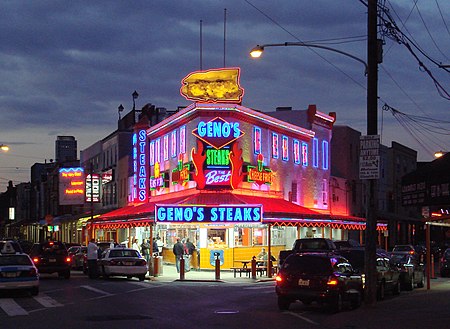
<point>372,129</point>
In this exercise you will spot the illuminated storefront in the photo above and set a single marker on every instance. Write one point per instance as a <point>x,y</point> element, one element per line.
<point>230,178</point>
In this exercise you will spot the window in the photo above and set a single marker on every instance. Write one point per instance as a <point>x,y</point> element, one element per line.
<point>152,153</point>
<point>173,139</point>
<point>275,146</point>
<point>257,140</point>
<point>285,148</point>
<point>315,153</point>
<point>158,150</point>
<point>325,155</point>
<point>304,154</point>
<point>166,147</point>
<point>296,151</point>
<point>325,192</point>
<point>183,139</point>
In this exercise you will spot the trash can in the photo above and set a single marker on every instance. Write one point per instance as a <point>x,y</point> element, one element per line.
<point>158,269</point>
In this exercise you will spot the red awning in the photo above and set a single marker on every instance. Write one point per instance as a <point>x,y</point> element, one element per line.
<point>272,207</point>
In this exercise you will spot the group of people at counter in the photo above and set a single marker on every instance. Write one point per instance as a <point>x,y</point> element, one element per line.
<point>184,249</point>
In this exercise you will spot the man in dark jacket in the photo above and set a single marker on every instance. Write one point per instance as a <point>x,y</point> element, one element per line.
<point>178,251</point>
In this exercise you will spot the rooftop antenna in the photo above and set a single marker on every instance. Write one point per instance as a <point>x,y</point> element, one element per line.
<point>201,45</point>
<point>224,35</point>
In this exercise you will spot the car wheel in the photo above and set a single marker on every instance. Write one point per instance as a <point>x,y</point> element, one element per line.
<point>104,275</point>
<point>381,291</point>
<point>67,274</point>
<point>396,289</point>
<point>129,276</point>
<point>421,283</point>
<point>337,304</point>
<point>34,291</point>
<point>283,303</point>
<point>356,302</point>
<point>141,277</point>
<point>410,284</point>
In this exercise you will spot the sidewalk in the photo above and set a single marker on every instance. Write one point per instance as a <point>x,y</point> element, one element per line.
<point>169,274</point>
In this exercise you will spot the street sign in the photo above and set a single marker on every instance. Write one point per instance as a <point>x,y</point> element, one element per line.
<point>369,157</point>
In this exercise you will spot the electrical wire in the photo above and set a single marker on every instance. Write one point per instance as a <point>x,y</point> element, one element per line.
<point>442,17</point>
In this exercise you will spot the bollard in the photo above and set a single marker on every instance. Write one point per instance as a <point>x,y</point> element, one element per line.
<point>269,268</point>
<point>254,267</point>
<point>155,266</point>
<point>217,268</point>
<point>182,268</point>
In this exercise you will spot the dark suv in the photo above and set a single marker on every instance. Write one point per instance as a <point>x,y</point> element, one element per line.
<point>51,257</point>
<point>307,244</point>
<point>318,277</point>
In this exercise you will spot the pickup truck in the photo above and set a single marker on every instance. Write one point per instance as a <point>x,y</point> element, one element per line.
<point>307,244</point>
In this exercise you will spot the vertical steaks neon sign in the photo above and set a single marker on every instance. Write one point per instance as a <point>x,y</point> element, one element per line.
<point>140,165</point>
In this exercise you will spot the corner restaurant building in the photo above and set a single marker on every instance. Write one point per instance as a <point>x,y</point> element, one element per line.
<point>231,179</point>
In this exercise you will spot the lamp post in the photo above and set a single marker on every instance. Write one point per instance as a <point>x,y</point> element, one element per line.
<point>120,109</point>
<point>371,70</point>
<point>257,51</point>
<point>4,147</point>
<point>135,96</point>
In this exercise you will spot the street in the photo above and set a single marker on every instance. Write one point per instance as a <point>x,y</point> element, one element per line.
<point>119,302</point>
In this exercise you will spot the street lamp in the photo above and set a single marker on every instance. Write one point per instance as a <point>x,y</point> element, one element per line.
<point>120,109</point>
<point>4,147</point>
<point>439,154</point>
<point>257,51</point>
<point>135,96</point>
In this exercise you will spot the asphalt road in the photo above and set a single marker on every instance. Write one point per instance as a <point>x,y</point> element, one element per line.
<point>127,303</point>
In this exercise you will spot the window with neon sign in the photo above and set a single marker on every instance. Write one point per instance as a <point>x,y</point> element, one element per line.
<point>304,154</point>
<point>325,155</point>
<point>173,143</point>
<point>315,153</point>
<point>275,153</point>
<point>158,150</point>
<point>284,148</point>
<point>257,140</point>
<point>296,152</point>
<point>183,139</point>
<point>152,153</point>
<point>166,147</point>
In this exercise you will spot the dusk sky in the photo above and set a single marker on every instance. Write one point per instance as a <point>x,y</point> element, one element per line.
<point>66,66</point>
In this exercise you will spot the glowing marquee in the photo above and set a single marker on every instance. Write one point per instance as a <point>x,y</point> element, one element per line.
<point>218,132</point>
<point>71,186</point>
<point>259,174</point>
<point>209,213</point>
<point>140,166</point>
<point>182,173</point>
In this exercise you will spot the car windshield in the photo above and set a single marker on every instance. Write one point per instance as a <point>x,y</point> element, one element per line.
<point>355,258</point>
<point>123,253</point>
<point>311,244</point>
<point>14,260</point>
<point>402,259</point>
<point>308,265</point>
<point>50,249</point>
<point>402,248</point>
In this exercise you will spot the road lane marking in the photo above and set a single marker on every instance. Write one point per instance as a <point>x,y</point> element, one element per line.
<point>47,301</point>
<point>11,307</point>
<point>302,317</point>
<point>97,290</point>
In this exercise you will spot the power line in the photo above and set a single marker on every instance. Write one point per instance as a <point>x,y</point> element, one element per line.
<point>442,16</point>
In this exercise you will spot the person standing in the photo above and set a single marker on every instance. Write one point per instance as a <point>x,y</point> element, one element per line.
<point>160,245</point>
<point>145,249</point>
<point>178,251</point>
<point>135,244</point>
<point>92,256</point>
<point>190,250</point>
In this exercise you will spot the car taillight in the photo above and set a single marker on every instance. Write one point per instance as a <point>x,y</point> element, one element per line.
<point>143,262</point>
<point>411,252</point>
<point>31,272</point>
<point>332,281</point>
<point>35,260</point>
<point>278,278</point>
<point>112,262</point>
<point>68,259</point>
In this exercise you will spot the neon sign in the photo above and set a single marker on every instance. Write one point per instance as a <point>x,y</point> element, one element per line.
<point>284,148</point>
<point>140,166</point>
<point>259,174</point>
<point>157,181</point>
<point>296,151</point>
<point>209,214</point>
<point>257,140</point>
<point>183,139</point>
<point>275,145</point>
<point>218,132</point>
<point>93,190</point>
<point>71,186</point>
<point>213,86</point>
<point>166,147</point>
<point>182,173</point>
<point>173,139</point>
<point>217,157</point>
<point>304,154</point>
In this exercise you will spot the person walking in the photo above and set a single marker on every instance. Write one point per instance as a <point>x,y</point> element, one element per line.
<point>92,256</point>
<point>178,251</point>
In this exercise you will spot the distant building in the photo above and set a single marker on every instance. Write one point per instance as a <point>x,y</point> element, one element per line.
<point>65,149</point>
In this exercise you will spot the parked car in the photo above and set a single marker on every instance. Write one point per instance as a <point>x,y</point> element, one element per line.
<point>307,244</point>
<point>17,271</point>
<point>388,275</point>
<point>346,244</point>
<point>318,277</point>
<point>445,263</point>
<point>102,247</point>
<point>77,253</point>
<point>122,262</point>
<point>411,270</point>
<point>8,245</point>
<point>51,257</point>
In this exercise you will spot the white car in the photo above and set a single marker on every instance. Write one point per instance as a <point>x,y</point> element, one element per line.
<point>122,262</point>
<point>17,271</point>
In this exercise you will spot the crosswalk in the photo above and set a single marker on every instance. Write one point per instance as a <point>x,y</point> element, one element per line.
<point>23,306</point>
